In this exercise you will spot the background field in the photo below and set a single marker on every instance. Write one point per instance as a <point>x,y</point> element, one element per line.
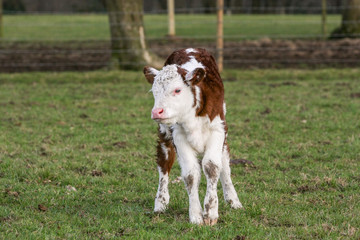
<point>77,157</point>
<point>81,42</point>
<point>96,27</point>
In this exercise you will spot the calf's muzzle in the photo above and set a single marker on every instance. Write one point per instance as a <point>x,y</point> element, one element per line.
<point>157,113</point>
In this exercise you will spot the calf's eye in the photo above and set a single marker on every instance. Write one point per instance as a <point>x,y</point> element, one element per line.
<point>177,91</point>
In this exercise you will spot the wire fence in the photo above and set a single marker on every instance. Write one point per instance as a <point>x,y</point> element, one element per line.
<point>48,41</point>
<point>201,10</point>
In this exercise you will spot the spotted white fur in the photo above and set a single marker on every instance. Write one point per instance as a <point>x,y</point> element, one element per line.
<point>162,196</point>
<point>167,80</point>
<point>190,66</point>
<point>164,78</point>
<point>197,97</point>
<point>154,71</point>
<point>190,50</point>
<point>165,151</point>
<point>165,130</point>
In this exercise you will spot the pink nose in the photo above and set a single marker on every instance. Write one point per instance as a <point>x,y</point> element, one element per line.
<point>157,113</point>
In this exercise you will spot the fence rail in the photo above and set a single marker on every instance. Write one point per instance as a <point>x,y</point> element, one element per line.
<point>81,41</point>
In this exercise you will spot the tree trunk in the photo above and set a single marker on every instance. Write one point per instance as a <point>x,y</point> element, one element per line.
<point>127,35</point>
<point>350,26</point>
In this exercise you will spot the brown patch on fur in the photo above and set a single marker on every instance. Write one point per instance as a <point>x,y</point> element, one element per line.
<point>163,163</point>
<point>226,145</point>
<point>198,75</point>
<point>149,75</point>
<point>162,182</point>
<point>189,181</point>
<point>211,170</point>
<point>178,57</point>
<point>194,93</point>
<point>212,88</point>
<point>207,208</point>
<point>182,73</point>
<point>225,126</point>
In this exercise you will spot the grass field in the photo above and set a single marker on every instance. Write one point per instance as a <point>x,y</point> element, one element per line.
<point>95,27</point>
<point>77,157</point>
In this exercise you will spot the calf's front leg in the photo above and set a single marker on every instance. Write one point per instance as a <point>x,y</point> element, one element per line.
<point>162,196</point>
<point>212,166</point>
<point>191,174</point>
<point>165,160</point>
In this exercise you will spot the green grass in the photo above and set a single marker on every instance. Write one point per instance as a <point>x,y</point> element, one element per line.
<point>93,132</point>
<point>95,27</point>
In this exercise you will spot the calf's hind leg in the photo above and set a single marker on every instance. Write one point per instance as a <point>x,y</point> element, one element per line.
<point>225,178</point>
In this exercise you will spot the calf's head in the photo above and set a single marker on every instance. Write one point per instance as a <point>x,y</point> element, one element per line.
<point>175,92</point>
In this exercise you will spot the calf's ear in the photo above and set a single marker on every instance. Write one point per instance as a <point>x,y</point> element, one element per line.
<point>150,73</point>
<point>196,76</point>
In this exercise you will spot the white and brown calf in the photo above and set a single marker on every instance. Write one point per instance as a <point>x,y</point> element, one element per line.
<point>190,109</point>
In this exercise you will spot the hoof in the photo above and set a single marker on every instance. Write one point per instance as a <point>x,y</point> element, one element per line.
<point>160,208</point>
<point>210,222</point>
<point>161,205</point>
<point>197,220</point>
<point>235,204</point>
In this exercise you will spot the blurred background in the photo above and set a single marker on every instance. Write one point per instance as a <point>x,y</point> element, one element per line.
<point>81,35</point>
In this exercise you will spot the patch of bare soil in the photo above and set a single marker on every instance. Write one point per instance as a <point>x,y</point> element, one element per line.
<point>264,53</point>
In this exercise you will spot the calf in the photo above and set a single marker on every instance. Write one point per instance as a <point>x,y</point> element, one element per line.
<point>190,109</point>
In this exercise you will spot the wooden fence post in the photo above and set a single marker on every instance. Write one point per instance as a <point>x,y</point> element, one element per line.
<point>171,17</point>
<point>1,20</point>
<point>323,19</point>
<point>220,34</point>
